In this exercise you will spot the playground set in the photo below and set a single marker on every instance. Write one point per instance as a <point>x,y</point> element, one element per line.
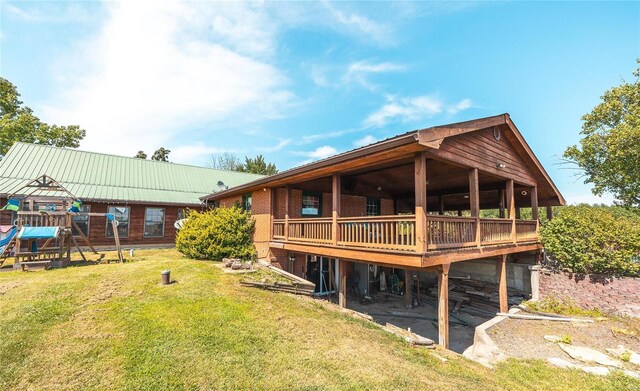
<point>43,230</point>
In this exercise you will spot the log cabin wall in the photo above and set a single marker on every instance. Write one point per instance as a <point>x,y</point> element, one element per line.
<point>481,150</point>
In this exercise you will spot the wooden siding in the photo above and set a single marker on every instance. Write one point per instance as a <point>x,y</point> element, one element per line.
<point>479,149</point>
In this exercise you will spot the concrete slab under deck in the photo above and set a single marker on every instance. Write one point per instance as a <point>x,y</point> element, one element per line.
<point>422,319</point>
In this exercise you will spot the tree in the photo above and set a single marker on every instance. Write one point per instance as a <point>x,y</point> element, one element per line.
<point>18,123</point>
<point>594,239</point>
<point>140,155</point>
<point>226,161</point>
<point>161,154</point>
<point>229,161</point>
<point>610,151</point>
<point>257,165</point>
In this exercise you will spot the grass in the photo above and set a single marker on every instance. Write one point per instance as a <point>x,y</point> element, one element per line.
<point>563,306</point>
<point>115,327</point>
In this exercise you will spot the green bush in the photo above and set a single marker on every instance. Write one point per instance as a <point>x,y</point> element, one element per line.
<point>218,233</point>
<point>594,239</point>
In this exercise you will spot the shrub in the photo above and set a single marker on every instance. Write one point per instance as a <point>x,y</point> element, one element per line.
<point>594,239</point>
<point>218,233</point>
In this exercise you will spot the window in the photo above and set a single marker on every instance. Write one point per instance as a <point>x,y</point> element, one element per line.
<point>311,204</point>
<point>182,214</point>
<point>154,223</point>
<point>82,221</point>
<point>246,202</point>
<point>121,214</point>
<point>373,207</point>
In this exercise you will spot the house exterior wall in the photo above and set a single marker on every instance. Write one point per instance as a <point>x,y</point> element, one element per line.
<point>98,225</point>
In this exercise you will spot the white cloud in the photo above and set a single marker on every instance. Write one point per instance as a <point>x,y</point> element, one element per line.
<point>366,140</point>
<point>361,25</point>
<point>322,152</point>
<point>193,154</point>
<point>460,106</point>
<point>359,71</point>
<point>281,144</point>
<point>588,198</point>
<point>409,109</point>
<point>317,154</point>
<point>156,68</point>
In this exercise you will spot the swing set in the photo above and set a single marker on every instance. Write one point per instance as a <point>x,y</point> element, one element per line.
<point>43,230</point>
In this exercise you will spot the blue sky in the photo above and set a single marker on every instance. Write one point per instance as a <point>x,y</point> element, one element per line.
<point>301,81</point>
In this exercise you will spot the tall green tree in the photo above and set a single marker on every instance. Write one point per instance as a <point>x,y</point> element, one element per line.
<point>161,154</point>
<point>609,153</point>
<point>140,155</point>
<point>18,123</point>
<point>258,165</point>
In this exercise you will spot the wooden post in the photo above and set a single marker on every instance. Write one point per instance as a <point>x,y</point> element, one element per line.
<point>335,209</point>
<point>511,208</point>
<point>534,207</point>
<point>441,203</point>
<point>407,289</point>
<point>287,202</point>
<point>518,214</point>
<point>420,180</point>
<point>501,203</point>
<point>504,304</point>
<point>342,286</point>
<point>116,236</point>
<point>443,306</point>
<point>273,208</point>
<point>474,200</point>
<point>549,213</point>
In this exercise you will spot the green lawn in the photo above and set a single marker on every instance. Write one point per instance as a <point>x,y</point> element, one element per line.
<point>114,326</point>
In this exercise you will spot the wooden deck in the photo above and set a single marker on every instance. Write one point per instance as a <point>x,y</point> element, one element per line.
<point>393,240</point>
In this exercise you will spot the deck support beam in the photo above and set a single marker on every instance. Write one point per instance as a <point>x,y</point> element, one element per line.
<point>420,163</point>
<point>335,208</point>
<point>407,289</point>
<point>443,306</point>
<point>342,284</point>
<point>549,213</point>
<point>511,208</point>
<point>534,207</point>
<point>504,304</point>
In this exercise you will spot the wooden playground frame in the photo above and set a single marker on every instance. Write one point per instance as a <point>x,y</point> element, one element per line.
<point>59,200</point>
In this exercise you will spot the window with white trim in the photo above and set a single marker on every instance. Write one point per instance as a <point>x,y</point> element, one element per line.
<point>121,214</point>
<point>154,222</point>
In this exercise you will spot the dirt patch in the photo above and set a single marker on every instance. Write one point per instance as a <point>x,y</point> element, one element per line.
<point>521,338</point>
<point>9,285</point>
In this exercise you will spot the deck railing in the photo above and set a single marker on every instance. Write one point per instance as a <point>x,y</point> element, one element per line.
<point>398,232</point>
<point>495,231</point>
<point>383,232</point>
<point>526,230</point>
<point>310,230</point>
<point>445,232</point>
<point>37,219</point>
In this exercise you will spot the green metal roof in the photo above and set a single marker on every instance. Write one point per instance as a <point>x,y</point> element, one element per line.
<point>102,177</point>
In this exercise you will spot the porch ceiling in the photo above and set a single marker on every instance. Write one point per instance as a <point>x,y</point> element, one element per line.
<point>395,180</point>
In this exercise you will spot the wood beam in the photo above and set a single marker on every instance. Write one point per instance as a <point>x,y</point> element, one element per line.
<point>407,289</point>
<point>273,207</point>
<point>335,208</point>
<point>287,206</point>
<point>342,286</point>
<point>420,180</point>
<point>534,204</point>
<point>474,200</point>
<point>443,306</point>
<point>549,213</point>
<point>501,203</point>
<point>511,208</point>
<point>504,304</point>
<point>441,203</point>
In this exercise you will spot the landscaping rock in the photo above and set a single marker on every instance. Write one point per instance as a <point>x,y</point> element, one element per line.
<point>558,362</point>
<point>553,338</point>
<point>585,354</point>
<point>620,352</point>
